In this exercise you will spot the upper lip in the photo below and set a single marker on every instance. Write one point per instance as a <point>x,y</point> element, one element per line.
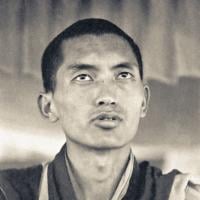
<point>107,115</point>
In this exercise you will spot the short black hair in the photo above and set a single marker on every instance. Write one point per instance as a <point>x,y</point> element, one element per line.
<point>52,57</point>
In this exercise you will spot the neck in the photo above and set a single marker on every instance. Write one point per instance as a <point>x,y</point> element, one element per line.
<point>95,173</point>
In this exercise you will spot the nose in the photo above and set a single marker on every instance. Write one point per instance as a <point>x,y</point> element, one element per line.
<point>106,101</point>
<point>106,95</point>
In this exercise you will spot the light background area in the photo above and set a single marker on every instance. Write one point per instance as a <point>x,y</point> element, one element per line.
<point>168,33</point>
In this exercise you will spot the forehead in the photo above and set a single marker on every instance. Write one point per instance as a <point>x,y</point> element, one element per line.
<point>106,46</point>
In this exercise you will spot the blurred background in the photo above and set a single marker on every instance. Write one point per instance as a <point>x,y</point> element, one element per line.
<point>168,33</point>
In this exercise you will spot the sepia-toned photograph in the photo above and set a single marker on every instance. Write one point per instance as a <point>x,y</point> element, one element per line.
<point>100,100</point>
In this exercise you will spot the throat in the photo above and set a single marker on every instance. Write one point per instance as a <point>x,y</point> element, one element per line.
<point>96,173</point>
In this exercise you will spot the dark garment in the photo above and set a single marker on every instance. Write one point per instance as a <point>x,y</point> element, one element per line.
<point>20,184</point>
<point>146,183</point>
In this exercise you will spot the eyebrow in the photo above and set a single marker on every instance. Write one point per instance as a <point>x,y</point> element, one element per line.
<point>126,65</point>
<point>77,67</point>
<point>81,66</point>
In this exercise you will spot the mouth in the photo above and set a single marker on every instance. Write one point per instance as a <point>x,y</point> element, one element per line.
<point>107,120</point>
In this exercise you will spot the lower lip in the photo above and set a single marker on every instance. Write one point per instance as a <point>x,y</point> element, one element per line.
<point>106,124</point>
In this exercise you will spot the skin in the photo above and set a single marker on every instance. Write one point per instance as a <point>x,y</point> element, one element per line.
<point>76,96</point>
<point>99,99</point>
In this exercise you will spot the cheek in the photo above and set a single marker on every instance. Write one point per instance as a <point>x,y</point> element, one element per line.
<point>73,104</point>
<point>77,98</point>
<point>133,103</point>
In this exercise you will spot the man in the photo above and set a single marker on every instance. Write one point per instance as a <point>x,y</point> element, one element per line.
<point>93,80</point>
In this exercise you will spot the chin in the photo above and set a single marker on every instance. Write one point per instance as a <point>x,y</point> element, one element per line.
<point>105,145</point>
<point>99,142</point>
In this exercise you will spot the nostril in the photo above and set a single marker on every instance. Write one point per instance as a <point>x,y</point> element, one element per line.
<point>106,102</point>
<point>101,103</point>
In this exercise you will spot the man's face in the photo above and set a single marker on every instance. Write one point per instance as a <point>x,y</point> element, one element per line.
<point>99,93</point>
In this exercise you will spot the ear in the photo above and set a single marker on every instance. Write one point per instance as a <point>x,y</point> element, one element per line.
<point>47,106</point>
<point>145,103</point>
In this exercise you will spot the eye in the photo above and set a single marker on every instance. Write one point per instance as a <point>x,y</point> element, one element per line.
<point>83,77</point>
<point>124,75</point>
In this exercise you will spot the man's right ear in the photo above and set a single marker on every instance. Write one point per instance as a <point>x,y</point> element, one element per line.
<point>47,106</point>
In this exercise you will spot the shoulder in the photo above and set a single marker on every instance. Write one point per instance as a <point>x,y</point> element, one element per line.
<point>172,186</point>
<point>156,174</point>
<point>148,182</point>
<point>151,183</point>
<point>20,183</point>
